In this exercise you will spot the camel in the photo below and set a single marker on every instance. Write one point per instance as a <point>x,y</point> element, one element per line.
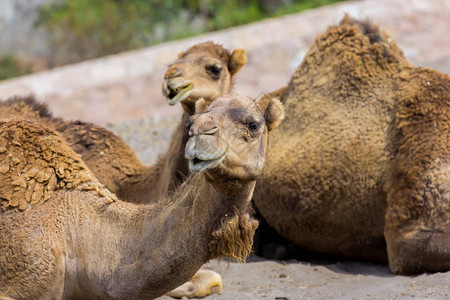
<point>359,168</point>
<point>204,70</point>
<point>64,236</point>
<point>339,105</point>
<point>347,104</point>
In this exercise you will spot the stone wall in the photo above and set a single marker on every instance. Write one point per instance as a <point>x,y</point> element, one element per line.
<point>128,86</point>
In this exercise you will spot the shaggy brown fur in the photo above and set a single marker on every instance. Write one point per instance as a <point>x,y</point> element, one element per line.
<point>28,108</point>
<point>135,251</point>
<point>340,106</point>
<point>26,181</point>
<point>107,156</point>
<point>349,105</point>
<point>116,165</point>
<point>238,229</point>
<point>418,205</point>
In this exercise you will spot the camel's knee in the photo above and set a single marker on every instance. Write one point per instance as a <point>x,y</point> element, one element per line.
<point>204,283</point>
<point>419,250</point>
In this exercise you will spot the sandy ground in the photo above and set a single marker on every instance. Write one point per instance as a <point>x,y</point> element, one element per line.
<point>294,279</point>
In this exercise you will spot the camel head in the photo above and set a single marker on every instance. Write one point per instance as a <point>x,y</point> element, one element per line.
<point>228,137</point>
<point>203,71</point>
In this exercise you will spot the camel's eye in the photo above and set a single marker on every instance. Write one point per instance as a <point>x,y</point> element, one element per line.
<point>214,70</point>
<point>252,126</point>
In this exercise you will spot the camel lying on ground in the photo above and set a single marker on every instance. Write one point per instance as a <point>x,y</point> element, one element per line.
<point>64,236</point>
<point>368,164</point>
<point>360,166</point>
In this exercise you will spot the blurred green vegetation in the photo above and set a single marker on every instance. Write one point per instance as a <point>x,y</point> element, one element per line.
<point>11,66</point>
<point>84,29</point>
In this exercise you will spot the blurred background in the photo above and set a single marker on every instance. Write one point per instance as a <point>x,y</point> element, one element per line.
<point>42,34</point>
<point>103,60</point>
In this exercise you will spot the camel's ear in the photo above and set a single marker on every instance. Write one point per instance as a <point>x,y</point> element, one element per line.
<point>180,54</point>
<point>200,106</point>
<point>273,111</point>
<point>237,60</point>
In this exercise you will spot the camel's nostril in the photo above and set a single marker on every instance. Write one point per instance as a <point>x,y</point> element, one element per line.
<point>172,73</point>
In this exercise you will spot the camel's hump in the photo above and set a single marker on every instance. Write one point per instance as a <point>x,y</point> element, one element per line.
<point>35,162</point>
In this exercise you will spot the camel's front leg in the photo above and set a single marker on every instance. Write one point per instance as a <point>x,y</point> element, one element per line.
<point>417,227</point>
<point>202,284</point>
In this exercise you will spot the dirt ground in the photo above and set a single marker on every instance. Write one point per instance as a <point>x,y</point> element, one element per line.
<point>294,279</point>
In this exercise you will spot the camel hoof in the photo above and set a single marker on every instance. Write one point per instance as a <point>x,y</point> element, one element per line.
<point>202,284</point>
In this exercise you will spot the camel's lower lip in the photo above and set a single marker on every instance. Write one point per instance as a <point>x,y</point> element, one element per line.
<point>196,165</point>
<point>181,94</point>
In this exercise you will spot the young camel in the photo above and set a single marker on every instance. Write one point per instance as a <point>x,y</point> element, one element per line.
<point>359,168</point>
<point>64,236</point>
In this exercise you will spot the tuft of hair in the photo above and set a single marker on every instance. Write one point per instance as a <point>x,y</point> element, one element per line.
<point>31,102</point>
<point>210,47</point>
<point>234,238</point>
<point>367,27</point>
<point>375,37</point>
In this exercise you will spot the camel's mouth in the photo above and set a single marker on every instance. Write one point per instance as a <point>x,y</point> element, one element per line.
<point>178,94</point>
<point>197,165</point>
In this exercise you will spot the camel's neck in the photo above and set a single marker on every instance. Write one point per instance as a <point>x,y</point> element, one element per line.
<point>148,250</point>
<point>173,167</point>
<point>149,184</point>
